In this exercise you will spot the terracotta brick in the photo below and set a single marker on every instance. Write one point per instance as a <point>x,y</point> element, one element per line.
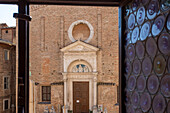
<point>49,33</point>
<point>7,67</point>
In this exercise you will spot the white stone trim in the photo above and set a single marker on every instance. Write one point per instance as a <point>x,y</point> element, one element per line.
<point>69,78</point>
<point>70,30</point>
<point>4,104</point>
<point>72,48</point>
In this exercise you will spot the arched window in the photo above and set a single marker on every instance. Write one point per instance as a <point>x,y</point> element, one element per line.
<point>80,68</point>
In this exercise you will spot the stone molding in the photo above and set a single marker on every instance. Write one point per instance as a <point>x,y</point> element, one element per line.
<point>70,30</point>
<point>106,83</point>
<point>85,54</point>
<point>74,54</point>
<point>35,7</point>
<point>79,46</point>
<point>80,76</point>
<point>57,83</point>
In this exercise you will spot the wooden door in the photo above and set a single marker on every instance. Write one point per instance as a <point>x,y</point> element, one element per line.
<point>80,97</point>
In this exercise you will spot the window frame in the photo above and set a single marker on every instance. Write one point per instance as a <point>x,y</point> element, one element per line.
<point>8,54</point>
<point>8,82</point>
<point>41,93</point>
<point>7,99</point>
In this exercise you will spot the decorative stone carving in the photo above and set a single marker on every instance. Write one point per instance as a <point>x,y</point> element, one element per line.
<point>80,53</point>
<point>80,68</point>
<point>70,30</point>
<point>80,64</point>
<point>79,48</point>
<point>86,69</point>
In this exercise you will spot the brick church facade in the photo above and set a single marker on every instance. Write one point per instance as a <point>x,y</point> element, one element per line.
<point>74,58</point>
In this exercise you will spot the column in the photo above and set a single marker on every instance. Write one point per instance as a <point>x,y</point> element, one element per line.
<point>65,91</point>
<point>95,90</point>
<point>65,94</point>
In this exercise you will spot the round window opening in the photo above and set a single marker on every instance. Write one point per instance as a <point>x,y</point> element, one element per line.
<point>80,30</point>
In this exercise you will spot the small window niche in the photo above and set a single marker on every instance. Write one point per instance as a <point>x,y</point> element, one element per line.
<point>6,54</point>
<point>6,104</point>
<point>6,82</point>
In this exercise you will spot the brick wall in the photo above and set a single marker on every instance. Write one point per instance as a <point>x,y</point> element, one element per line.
<point>49,33</point>
<point>7,68</point>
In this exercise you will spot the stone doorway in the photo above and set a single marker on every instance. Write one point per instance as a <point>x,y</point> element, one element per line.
<point>80,65</point>
<point>80,97</point>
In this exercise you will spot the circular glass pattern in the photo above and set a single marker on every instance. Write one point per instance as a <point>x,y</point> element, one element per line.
<point>140,49</point>
<point>169,64</point>
<point>135,99</point>
<point>151,47</point>
<point>141,15</point>
<point>131,21</point>
<point>145,31</point>
<point>127,99</point>
<point>130,110</point>
<point>153,84</point>
<point>165,5</point>
<point>131,83</point>
<point>147,66</point>
<point>165,85</point>
<point>145,102</point>
<point>152,9</point>
<point>168,22</point>
<point>159,104</point>
<point>135,35</point>
<point>168,107</point>
<point>127,10</point>
<point>136,67</point>
<point>141,83</point>
<point>135,4</point>
<point>144,2</point>
<point>128,38</point>
<point>159,65</point>
<point>128,67</point>
<point>139,111</point>
<point>130,52</point>
<point>164,43</point>
<point>158,25</point>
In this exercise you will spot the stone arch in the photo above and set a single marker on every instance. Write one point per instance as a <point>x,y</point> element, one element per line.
<point>85,65</point>
<point>70,30</point>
